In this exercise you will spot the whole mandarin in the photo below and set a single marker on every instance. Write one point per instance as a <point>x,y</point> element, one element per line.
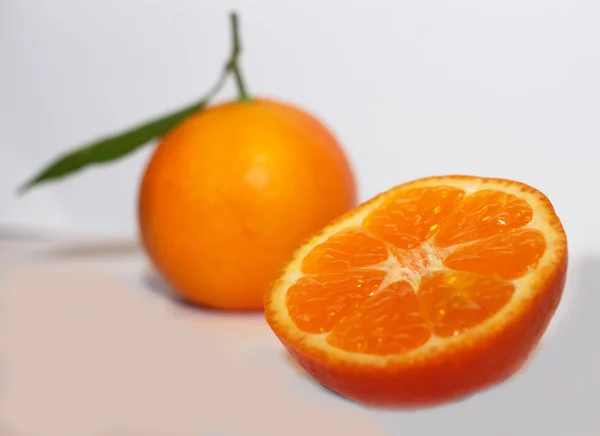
<point>232,191</point>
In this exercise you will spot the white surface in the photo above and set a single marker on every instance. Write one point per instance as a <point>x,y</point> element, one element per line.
<point>91,346</point>
<point>504,89</point>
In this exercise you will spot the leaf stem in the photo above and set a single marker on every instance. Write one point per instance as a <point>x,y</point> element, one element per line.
<point>233,64</point>
<point>119,145</point>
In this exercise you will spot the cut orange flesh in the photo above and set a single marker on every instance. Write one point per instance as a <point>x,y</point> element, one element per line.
<point>430,291</point>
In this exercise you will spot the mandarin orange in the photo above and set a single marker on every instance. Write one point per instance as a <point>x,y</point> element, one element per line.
<point>231,192</point>
<point>429,292</point>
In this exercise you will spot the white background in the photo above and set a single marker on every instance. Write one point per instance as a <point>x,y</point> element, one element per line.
<point>508,89</point>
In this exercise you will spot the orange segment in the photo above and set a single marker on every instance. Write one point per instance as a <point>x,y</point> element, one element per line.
<point>413,216</point>
<point>440,294</point>
<point>348,249</point>
<point>481,215</point>
<point>389,322</point>
<point>317,304</point>
<point>454,301</point>
<point>508,256</point>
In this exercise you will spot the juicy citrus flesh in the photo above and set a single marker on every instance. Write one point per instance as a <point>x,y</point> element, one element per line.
<point>416,270</point>
<point>427,289</point>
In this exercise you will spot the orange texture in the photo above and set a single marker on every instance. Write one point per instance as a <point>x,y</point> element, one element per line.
<point>232,191</point>
<point>426,293</point>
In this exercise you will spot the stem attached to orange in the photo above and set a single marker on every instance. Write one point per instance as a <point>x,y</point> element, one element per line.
<point>233,65</point>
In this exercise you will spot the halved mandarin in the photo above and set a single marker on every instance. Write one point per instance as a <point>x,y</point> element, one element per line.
<point>429,292</point>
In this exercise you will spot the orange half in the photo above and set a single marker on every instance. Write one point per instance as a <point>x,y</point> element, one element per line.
<point>426,293</point>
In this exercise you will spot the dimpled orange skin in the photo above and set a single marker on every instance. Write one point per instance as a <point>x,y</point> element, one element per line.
<point>232,191</point>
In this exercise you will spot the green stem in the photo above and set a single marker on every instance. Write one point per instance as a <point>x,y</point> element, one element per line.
<point>233,65</point>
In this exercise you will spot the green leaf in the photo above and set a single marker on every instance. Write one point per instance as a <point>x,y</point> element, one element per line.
<point>115,147</point>
<point>111,148</point>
